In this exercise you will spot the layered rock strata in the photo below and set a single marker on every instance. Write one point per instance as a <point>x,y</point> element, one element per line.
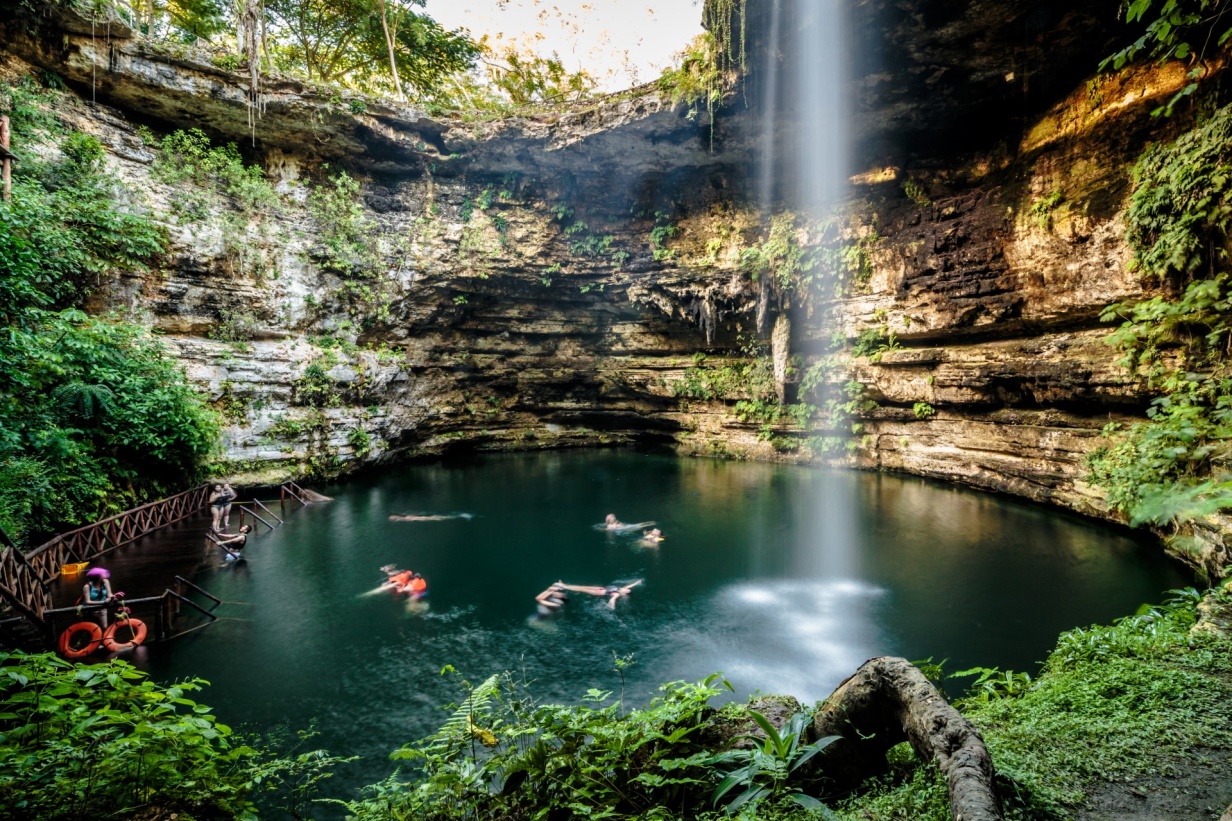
<point>550,281</point>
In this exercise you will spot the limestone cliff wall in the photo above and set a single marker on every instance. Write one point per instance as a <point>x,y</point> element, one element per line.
<point>550,281</point>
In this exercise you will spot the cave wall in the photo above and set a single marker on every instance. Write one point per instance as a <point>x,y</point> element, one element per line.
<point>493,323</point>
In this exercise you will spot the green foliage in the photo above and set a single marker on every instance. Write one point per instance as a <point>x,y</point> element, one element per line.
<point>993,683</point>
<point>361,441</point>
<point>725,21</point>
<point>873,342</point>
<point>765,770</point>
<point>1176,30</point>
<point>753,379</point>
<point>923,410</point>
<point>780,255</point>
<point>82,741</point>
<point>838,255</point>
<point>499,755</point>
<point>236,326</point>
<point>1112,705</point>
<point>697,80</point>
<point>1042,210</point>
<point>532,79</point>
<point>188,156</point>
<point>916,193</point>
<point>315,387</point>
<point>659,235</point>
<point>94,414</point>
<point>1169,468</point>
<point>344,229</point>
<point>345,42</point>
<point>31,109</point>
<point>65,228</point>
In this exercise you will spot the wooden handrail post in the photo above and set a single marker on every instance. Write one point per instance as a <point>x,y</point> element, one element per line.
<point>6,164</point>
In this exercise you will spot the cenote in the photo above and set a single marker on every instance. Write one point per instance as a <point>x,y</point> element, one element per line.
<point>783,578</point>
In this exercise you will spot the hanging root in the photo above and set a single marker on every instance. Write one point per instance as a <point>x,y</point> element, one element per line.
<point>887,701</point>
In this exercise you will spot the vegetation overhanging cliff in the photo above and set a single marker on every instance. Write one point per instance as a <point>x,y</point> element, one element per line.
<point>357,283</point>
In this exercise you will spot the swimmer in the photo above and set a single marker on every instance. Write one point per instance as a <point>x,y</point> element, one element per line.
<point>436,517</point>
<point>612,592</point>
<point>613,525</point>
<point>551,600</point>
<point>651,538</point>
<point>619,592</point>
<point>404,581</point>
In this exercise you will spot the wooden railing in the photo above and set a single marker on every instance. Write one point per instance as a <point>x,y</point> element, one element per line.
<point>25,579</point>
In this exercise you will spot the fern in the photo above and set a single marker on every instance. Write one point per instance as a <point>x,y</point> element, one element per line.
<point>461,729</point>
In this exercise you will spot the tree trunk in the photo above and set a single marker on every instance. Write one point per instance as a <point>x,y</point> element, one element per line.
<point>887,701</point>
<point>389,44</point>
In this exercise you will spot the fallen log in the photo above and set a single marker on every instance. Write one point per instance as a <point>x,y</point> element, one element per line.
<point>887,701</point>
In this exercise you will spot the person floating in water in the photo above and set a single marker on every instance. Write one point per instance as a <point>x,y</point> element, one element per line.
<point>614,525</point>
<point>405,581</point>
<point>436,517</point>
<point>612,592</point>
<point>651,538</point>
<point>552,600</point>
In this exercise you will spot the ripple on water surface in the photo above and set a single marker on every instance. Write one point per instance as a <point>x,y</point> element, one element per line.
<point>783,578</point>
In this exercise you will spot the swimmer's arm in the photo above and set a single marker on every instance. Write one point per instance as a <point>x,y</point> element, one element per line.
<point>594,591</point>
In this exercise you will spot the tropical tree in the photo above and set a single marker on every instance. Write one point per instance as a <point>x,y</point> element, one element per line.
<point>349,41</point>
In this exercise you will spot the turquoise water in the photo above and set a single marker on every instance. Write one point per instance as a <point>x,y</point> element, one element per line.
<point>783,578</point>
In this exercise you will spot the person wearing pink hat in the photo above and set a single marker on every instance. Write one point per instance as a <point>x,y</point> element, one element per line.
<point>98,590</point>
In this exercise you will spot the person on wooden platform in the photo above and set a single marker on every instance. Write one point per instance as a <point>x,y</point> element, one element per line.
<point>218,504</point>
<point>98,590</point>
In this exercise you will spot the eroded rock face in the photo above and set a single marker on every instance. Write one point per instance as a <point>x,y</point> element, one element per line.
<point>546,283</point>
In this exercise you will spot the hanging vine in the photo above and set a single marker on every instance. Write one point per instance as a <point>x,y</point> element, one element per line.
<point>726,21</point>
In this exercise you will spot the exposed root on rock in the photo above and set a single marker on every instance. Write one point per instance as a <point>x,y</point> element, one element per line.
<point>887,701</point>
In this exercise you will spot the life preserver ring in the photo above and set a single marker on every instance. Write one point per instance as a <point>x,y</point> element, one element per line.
<point>65,643</point>
<point>138,631</point>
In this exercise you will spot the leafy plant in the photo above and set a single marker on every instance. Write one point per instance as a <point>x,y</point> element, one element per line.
<point>85,740</point>
<point>188,156</point>
<point>923,410</point>
<point>1178,226</point>
<point>993,683</point>
<point>766,769</point>
<point>916,193</point>
<point>344,229</point>
<point>1176,30</point>
<point>1042,210</point>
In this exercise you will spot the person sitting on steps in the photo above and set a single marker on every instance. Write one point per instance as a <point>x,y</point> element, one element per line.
<point>232,544</point>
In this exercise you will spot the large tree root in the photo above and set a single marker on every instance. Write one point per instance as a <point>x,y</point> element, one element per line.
<point>887,701</point>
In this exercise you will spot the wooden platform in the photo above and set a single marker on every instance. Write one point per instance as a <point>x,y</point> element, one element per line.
<point>148,565</point>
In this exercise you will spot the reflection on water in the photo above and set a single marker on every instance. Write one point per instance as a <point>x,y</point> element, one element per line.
<point>755,579</point>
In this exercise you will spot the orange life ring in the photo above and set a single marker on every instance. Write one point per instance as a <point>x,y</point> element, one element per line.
<point>137,626</point>
<point>65,643</point>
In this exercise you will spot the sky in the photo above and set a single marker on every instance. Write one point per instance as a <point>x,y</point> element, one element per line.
<point>622,43</point>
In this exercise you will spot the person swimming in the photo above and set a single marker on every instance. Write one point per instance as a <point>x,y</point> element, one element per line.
<point>550,601</point>
<point>651,538</point>
<point>612,592</point>
<point>426,517</point>
<point>405,581</point>
<point>614,525</point>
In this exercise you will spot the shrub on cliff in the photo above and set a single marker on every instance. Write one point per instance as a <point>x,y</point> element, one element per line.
<point>94,413</point>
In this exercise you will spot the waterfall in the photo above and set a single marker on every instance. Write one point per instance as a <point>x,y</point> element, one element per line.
<point>804,166</point>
